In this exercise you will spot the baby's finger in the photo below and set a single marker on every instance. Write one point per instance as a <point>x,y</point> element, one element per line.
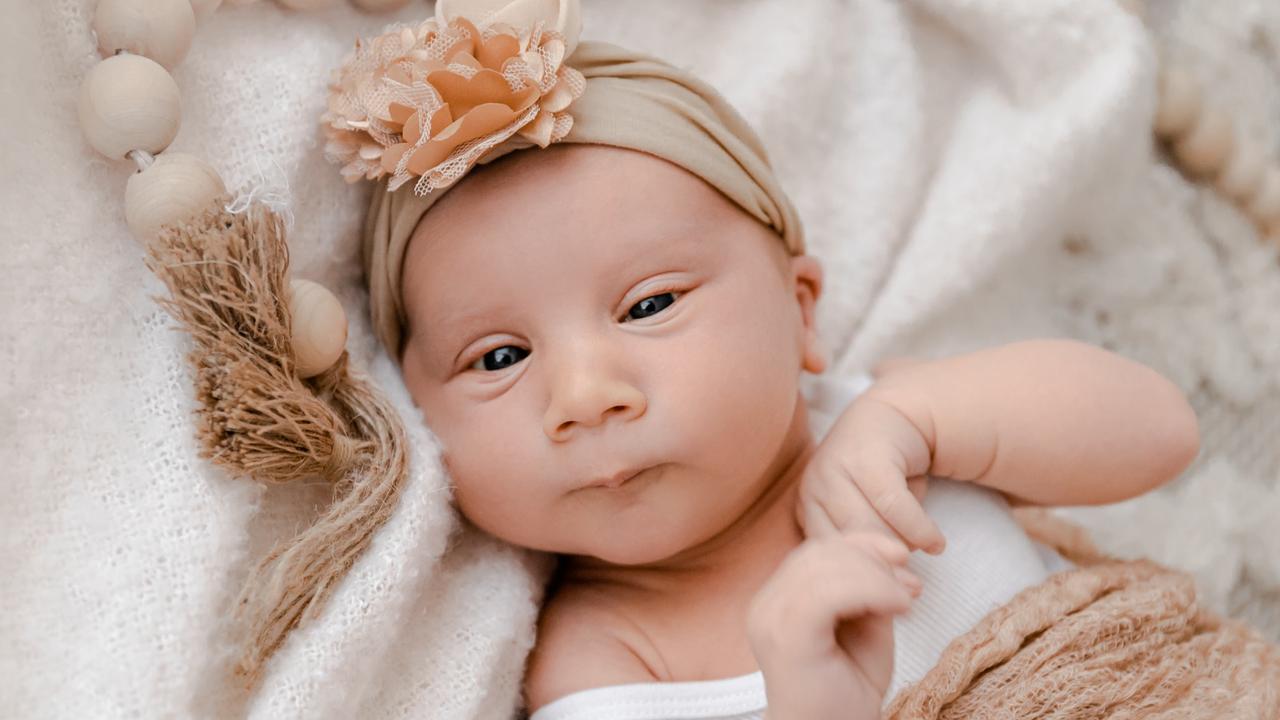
<point>887,491</point>
<point>890,549</point>
<point>909,580</point>
<point>815,521</point>
<point>893,552</point>
<point>918,487</point>
<point>871,591</point>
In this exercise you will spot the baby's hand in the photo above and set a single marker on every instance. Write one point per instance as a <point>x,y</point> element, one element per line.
<point>821,628</point>
<point>870,473</point>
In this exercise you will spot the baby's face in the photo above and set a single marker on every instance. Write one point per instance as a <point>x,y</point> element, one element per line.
<point>583,311</point>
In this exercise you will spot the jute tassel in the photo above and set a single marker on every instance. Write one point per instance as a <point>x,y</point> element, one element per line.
<point>227,277</point>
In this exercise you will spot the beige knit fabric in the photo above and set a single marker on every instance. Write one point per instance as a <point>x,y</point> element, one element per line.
<point>631,101</point>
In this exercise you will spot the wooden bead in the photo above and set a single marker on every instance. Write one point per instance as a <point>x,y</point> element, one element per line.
<point>1179,105</point>
<point>158,29</point>
<point>1242,177</point>
<point>1204,150</point>
<point>204,8</point>
<point>128,102</point>
<point>319,327</point>
<point>176,187</point>
<point>306,5</point>
<point>379,6</point>
<point>1264,207</point>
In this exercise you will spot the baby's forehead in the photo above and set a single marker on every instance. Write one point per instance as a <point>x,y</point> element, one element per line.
<point>571,215</point>
<point>493,260</point>
<point>616,202</point>
<point>550,190</point>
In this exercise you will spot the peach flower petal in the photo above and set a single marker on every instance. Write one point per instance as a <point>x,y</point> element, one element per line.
<point>483,119</point>
<point>391,157</point>
<point>493,53</point>
<point>399,74</point>
<point>467,59</point>
<point>432,99</point>
<point>400,113</point>
<point>466,44</point>
<point>553,50</point>
<point>558,99</point>
<point>412,132</point>
<point>465,93</point>
<point>441,119</point>
<point>539,131</point>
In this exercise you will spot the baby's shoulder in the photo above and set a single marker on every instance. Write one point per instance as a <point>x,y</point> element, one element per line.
<point>583,642</point>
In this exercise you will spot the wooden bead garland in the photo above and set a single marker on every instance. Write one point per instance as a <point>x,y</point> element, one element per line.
<point>1206,146</point>
<point>158,29</point>
<point>1179,103</point>
<point>319,327</point>
<point>1242,177</point>
<point>173,188</point>
<point>128,102</point>
<point>1265,204</point>
<point>130,107</point>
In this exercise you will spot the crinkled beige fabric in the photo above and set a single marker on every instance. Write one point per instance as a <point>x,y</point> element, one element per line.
<point>1112,638</point>
<point>632,101</point>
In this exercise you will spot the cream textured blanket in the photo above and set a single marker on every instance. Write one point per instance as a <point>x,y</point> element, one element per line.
<point>970,171</point>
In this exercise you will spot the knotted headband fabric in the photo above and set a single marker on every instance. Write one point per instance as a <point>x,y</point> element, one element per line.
<point>631,101</point>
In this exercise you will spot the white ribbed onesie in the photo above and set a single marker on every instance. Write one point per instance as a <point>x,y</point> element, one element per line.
<point>987,561</point>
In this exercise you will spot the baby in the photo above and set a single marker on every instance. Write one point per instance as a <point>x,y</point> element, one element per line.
<point>607,335</point>
<point>631,402</point>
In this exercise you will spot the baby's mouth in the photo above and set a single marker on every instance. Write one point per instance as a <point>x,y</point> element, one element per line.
<point>619,480</point>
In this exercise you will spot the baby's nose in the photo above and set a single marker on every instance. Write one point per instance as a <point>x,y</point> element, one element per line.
<point>590,399</point>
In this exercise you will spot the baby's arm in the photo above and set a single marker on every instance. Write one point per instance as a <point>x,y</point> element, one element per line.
<point>1048,422</point>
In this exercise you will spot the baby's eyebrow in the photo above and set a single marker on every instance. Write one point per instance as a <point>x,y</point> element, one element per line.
<point>463,324</point>
<point>637,260</point>
<point>671,248</point>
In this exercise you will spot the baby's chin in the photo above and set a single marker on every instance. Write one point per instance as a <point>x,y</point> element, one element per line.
<point>638,553</point>
<point>658,540</point>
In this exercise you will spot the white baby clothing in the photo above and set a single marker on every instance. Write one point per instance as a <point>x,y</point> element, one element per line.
<point>987,561</point>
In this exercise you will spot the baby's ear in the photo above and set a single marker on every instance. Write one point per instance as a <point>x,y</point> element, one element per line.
<point>806,276</point>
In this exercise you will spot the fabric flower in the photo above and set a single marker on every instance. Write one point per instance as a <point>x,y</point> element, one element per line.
<point>430,101</point>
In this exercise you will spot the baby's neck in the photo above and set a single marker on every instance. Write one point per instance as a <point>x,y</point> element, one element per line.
<point>737,559</point>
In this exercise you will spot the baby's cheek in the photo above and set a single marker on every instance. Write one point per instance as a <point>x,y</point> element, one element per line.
<point>737,393</point>
<point>492,478</point>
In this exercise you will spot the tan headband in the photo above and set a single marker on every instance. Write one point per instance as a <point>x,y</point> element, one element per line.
<point>631,101</point>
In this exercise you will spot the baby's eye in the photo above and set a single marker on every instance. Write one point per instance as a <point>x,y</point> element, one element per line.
<point>500,358</point>
<point>651,305</point>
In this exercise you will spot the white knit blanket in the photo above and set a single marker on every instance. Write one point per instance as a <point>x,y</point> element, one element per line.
<point>970,171</point>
